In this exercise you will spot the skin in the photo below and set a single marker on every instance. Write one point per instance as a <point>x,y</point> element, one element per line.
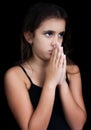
<point>46,68</point>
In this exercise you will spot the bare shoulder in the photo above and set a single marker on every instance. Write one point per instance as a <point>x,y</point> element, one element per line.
<point>73,73</point>
<point>73,69</point>
<point>11,73</point>
<point>15,75</point>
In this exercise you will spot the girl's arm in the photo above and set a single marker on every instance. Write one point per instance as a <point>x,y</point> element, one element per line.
<point>20,102</point>
<point>16,89</point>
<point>72,100</point>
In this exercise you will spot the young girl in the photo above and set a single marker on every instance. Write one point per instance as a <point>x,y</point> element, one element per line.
<point>44,91</point>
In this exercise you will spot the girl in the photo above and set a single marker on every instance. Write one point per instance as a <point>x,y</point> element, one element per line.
<point>44,91</point>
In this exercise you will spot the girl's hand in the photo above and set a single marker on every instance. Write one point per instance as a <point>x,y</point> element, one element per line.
<point>55,71</point>
<point>63,71</point>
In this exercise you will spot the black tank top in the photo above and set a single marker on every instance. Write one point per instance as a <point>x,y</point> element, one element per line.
<point>57,121</point>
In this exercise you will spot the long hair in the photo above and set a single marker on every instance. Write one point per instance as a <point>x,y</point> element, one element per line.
<point>37,14</point>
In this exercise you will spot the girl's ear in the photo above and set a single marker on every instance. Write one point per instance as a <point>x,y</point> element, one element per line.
<point>28,36</point>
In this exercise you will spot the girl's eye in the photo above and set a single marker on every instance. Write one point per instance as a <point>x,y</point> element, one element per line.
<point>60,35</point>
<point>49,33</point>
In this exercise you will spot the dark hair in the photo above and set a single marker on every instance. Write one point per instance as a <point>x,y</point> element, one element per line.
<point>37,14</point>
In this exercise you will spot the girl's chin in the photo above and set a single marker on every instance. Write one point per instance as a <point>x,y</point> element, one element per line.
<point>47,58</point>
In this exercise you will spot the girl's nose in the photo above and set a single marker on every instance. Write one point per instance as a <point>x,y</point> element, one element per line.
<point>55,43</point>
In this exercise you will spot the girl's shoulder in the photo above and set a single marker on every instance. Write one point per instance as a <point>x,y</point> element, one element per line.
<point>13,71</point>
<point>15,75</point>
<point>73,69</point>
<point>73,72</point>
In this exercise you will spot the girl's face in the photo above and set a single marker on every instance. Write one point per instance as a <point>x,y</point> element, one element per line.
<point>47,36</point>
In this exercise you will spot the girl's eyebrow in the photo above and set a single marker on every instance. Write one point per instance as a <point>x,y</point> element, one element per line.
<point>53,31</point>
<point>62,32</point>
<point>48,31</point>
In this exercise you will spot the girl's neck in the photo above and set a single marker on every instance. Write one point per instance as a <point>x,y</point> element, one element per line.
<point>37,63</point>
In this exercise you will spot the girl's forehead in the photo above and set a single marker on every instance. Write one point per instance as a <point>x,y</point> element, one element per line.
<point>53,23</point>
<point>52,20</point>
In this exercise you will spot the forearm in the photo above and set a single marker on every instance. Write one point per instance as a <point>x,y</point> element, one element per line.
<point>74,114</point>
<point>42,114</point>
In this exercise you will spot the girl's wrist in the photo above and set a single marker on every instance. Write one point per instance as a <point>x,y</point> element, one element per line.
<point>50,84</point>
<point>63,84</point>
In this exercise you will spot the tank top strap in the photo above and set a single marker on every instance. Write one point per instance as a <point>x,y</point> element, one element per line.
<point>25,72</point>
<point>30,78</point>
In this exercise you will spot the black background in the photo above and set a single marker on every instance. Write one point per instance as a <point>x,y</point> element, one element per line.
<point>12,14</point>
